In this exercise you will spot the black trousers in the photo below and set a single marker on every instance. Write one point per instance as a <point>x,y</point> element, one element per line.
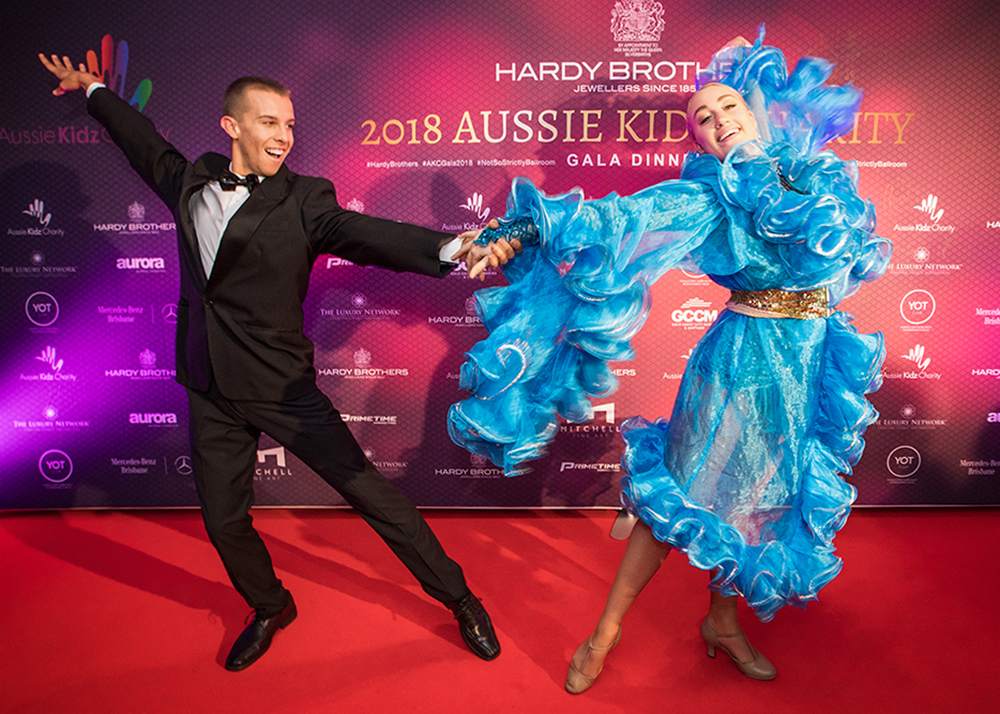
<point>224,436</point>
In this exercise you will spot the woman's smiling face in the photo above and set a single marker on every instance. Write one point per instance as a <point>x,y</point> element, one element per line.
<point>719,119</point>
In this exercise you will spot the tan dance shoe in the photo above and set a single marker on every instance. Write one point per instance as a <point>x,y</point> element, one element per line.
<point>757,668</point>
<point>576,681</point>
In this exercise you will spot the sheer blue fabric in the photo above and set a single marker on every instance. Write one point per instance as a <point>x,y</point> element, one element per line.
<point>745,475</point>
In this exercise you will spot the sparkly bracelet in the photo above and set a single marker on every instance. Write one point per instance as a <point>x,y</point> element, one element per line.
<point>522,229</point>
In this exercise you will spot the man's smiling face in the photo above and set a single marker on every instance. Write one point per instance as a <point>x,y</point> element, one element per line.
<point>262,134</point>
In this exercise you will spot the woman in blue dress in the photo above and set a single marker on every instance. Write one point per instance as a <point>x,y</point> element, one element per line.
<point>744,478</point>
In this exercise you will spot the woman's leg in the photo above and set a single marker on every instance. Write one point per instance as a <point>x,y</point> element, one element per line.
<point>723,618</point>
<point>721,629</point>
<point>643,557</point>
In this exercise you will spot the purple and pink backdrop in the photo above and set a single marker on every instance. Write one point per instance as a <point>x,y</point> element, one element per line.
<point>424,112</point>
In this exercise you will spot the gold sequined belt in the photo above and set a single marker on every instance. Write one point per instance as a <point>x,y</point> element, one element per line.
<point>774,303</point>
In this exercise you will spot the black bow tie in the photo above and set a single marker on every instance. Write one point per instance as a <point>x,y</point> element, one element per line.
<point>228,181</point>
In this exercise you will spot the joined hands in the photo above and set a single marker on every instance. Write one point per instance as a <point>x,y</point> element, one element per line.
<point>480,257</point>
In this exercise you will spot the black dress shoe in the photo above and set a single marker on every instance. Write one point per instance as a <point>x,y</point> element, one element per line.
<point>256,638</point>
<point>476,628</point>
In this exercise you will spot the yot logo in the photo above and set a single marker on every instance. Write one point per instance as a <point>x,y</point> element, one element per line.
<point>112,70</point>
<point>42,309</point>
<point>917,307</point>
<point>903,461</point>
<point>55,465</point>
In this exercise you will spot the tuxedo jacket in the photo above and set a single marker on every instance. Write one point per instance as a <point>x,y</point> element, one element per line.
<point>242,325</point>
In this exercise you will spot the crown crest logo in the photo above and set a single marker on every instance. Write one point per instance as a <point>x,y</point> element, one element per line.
<point>136,211</point>
<point>362,357</point>
<point>637,21</point>
<point>147,358</point>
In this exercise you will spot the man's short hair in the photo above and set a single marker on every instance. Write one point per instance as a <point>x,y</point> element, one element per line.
<point>232,100</point>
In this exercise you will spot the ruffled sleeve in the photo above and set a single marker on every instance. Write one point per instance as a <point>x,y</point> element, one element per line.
<point>574,302</point>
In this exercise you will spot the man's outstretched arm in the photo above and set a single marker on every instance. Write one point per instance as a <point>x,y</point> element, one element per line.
<point>156,161</point>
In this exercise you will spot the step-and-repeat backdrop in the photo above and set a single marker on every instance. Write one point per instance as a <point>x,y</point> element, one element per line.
<point>423,112</point>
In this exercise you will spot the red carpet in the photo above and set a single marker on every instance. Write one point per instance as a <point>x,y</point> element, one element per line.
<point>126,612</point>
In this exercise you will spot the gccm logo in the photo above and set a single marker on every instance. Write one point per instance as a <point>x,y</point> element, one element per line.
<point>694,312</point>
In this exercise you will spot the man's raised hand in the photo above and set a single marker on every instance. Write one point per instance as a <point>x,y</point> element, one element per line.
<point>70,78</point>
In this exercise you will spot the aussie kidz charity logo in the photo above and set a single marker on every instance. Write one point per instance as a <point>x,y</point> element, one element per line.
<point>54,373</point>
<point>111,69</point>
<point>40,220</point>
<point>474,205</point>
<point>932,223</point>
<point>917,355</point>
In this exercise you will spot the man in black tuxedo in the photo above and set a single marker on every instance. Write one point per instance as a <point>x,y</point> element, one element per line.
<point>248,231</point>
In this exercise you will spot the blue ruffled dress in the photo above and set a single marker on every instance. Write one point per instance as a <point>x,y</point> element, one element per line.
<point>745,475</point>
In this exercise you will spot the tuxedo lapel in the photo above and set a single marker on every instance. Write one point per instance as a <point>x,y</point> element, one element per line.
<point>242,226</point>
<point>205,169</point>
